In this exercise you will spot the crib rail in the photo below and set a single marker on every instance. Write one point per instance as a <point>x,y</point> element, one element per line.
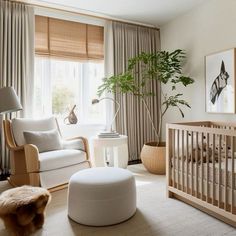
<point>201,164</point>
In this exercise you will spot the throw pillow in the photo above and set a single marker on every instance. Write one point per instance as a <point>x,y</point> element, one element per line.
<point>44,140</point>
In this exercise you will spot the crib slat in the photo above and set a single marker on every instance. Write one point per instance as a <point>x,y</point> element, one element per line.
<point>182,161</point>
<point>177,159</point>
<point>186,162</point>
<point>169,156</point>
<point>226,172</point>
<point>191,163</point>
<point>174,134</point>
<point>207,169</point>
<point>196,166</point>
<point>202,166</point>
<point>213,170</point>
<point>232,173</point>
<point>219,171</point>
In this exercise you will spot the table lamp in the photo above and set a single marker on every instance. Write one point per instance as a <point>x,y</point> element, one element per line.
<point>9,101</point>
<point>95,101</point>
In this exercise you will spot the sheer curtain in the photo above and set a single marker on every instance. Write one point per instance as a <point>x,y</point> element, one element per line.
<point>17,57</point>
<point>132,120</point>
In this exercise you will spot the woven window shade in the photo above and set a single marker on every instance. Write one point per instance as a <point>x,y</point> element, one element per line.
<point>68,39</point>
<point>95,41</point>
<point>41,35</point>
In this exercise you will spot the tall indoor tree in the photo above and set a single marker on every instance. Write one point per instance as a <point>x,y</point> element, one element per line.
<point>163,66</point>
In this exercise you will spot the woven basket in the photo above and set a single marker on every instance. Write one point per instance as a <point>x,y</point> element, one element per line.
<point>154,158</point>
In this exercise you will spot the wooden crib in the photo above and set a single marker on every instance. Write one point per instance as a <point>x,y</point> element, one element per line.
<point>201,166</point>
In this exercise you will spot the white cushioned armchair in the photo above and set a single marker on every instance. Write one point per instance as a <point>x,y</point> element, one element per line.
<point>49,168</point>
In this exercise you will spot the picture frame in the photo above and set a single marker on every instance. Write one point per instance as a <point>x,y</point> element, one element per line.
<point>220,71</point>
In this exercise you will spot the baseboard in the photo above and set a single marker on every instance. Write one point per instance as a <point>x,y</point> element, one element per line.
<point>133,162</point>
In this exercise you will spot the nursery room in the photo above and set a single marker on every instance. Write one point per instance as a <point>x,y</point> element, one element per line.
<point>117,118</point>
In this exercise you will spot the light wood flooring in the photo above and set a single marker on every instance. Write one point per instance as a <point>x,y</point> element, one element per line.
<point>156,214</point>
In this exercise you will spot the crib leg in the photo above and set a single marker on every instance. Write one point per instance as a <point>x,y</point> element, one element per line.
<point>170,194</point>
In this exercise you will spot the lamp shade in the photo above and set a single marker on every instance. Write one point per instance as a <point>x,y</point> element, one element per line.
<point>9,101</point>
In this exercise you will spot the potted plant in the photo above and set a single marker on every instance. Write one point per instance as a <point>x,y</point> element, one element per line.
<point>165,67</point>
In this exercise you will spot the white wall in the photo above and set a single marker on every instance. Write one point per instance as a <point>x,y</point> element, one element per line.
<point>209,28</point>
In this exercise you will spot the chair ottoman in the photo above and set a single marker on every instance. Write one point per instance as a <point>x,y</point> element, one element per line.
<point>101,196</point>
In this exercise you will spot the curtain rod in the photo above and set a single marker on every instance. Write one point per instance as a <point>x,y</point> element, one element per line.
<point>52,6</point>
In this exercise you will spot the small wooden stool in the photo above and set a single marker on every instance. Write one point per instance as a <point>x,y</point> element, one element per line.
<point>22,209</point>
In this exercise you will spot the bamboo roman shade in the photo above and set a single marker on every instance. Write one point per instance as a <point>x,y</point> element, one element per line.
<point>95,41</point>
<point>41,35</point>
<point>61,38</point>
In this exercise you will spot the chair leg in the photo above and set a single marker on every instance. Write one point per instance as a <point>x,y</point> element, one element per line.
<point>25,179</point>
<point>170,194</point>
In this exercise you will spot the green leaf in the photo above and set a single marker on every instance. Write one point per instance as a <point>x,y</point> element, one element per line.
<point>181,112</point>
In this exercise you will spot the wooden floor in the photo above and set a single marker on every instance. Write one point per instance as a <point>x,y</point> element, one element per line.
<point>156,214</point>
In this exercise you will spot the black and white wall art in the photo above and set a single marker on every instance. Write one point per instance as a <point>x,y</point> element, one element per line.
<point>220,82</point>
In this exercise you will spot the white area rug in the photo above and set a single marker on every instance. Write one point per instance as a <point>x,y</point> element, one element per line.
<point>156,214</point>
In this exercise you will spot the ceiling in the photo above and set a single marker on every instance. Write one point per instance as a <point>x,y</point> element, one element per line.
<point>154,12</point>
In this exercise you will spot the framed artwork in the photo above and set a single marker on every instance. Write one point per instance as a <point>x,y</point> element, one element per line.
<point>220,82</point>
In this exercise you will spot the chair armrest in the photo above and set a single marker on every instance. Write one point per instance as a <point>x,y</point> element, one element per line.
<point>24,159</point>
<point>77,144</point>
<point>85,142</point>
<point>31,158</point>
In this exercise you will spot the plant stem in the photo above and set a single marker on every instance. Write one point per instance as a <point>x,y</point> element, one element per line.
<point>162,113</point>
<point>150,118</point>
<point>161,116</point>
<point>159,127</point>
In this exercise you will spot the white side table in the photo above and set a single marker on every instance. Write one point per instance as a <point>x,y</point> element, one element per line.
<point>119,146</point>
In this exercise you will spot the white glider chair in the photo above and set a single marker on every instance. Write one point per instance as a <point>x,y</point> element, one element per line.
<point>39,156</point>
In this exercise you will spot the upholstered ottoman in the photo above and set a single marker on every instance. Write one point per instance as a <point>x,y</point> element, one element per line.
<point>101,196</point>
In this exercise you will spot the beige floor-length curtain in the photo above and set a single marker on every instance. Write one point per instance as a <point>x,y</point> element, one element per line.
<point>109,70</point>
<point>132,120</point>
<point>17,57</point>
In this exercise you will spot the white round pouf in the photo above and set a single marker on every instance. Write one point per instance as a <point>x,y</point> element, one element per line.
<point>101,196</point>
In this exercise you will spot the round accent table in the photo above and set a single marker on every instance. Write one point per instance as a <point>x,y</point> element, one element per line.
<point>119,148</point>
<point>101,196</point>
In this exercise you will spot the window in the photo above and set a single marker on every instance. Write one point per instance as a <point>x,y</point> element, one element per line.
<point>72,78</point>
<point>61,84</point>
